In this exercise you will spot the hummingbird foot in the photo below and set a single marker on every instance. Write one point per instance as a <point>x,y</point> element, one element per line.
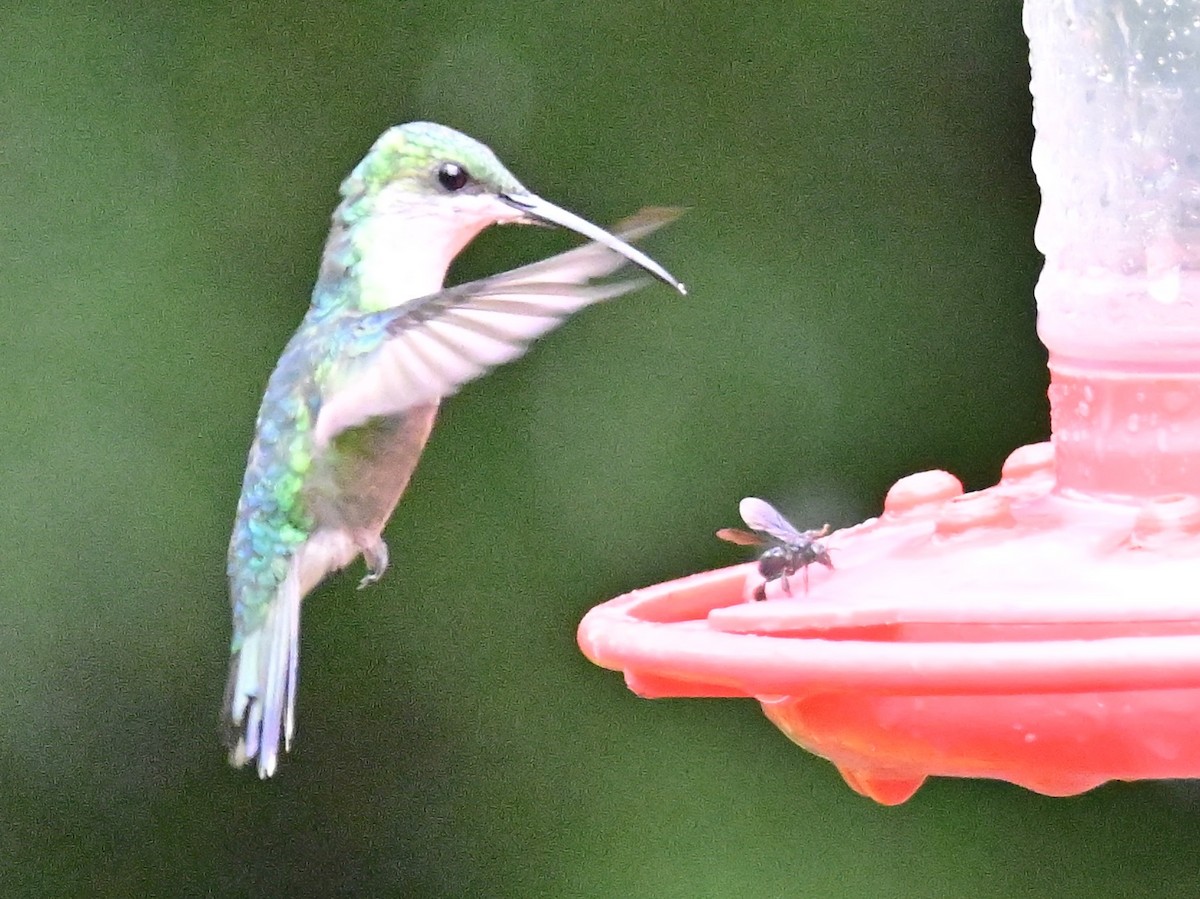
<point>376,557</point>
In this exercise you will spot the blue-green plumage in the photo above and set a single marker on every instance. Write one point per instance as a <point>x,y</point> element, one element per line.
<point>353,397</point>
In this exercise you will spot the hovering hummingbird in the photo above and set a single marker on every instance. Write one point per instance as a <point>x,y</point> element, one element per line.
<point>353,397</point>
<point>788,550</point>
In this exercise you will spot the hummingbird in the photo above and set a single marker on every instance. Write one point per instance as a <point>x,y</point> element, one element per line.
<point>353,398</point>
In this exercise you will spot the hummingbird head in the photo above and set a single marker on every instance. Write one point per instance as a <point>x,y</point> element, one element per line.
<point>439,188</point>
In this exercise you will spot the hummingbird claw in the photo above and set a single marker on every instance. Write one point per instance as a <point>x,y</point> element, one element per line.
<point>376,557</point>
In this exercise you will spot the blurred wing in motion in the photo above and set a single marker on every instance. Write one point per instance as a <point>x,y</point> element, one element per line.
<point>421,351</point>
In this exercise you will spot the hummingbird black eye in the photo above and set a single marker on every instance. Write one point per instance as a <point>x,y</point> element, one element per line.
<point>452,176</point>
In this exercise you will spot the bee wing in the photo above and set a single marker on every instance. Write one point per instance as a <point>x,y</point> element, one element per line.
<point>762,516</point>
<point>740,537</point>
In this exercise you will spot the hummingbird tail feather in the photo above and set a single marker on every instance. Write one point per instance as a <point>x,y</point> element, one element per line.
<point>260,695</point>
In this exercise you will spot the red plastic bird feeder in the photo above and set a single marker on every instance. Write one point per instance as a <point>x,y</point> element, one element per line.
<point>1045,631</point>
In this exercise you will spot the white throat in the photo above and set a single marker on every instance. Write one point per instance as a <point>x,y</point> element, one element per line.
<point>405,253</point>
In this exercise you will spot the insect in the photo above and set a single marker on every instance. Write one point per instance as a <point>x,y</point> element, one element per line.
<point>788,549</point>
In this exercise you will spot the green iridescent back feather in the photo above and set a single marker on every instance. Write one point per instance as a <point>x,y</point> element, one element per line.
<point>272,519</point>
<point>273,516</point>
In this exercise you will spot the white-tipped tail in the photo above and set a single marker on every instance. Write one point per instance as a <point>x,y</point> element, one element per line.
<point>260,696</point>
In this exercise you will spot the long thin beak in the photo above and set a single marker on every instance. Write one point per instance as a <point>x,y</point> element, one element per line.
<point>538,209</point>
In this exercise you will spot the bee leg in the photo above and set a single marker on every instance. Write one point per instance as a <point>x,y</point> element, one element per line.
<point>787,588</point>
<point>760,592</point>
<point>376,557</point>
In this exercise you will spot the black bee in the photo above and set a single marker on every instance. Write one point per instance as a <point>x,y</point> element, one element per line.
<point>789,550</point>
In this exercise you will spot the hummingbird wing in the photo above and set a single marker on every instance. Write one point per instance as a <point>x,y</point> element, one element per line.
<point>423,350</point>
<point>762,516</point>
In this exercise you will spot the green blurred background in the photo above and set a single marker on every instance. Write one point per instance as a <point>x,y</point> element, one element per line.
<point>859,253</point>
